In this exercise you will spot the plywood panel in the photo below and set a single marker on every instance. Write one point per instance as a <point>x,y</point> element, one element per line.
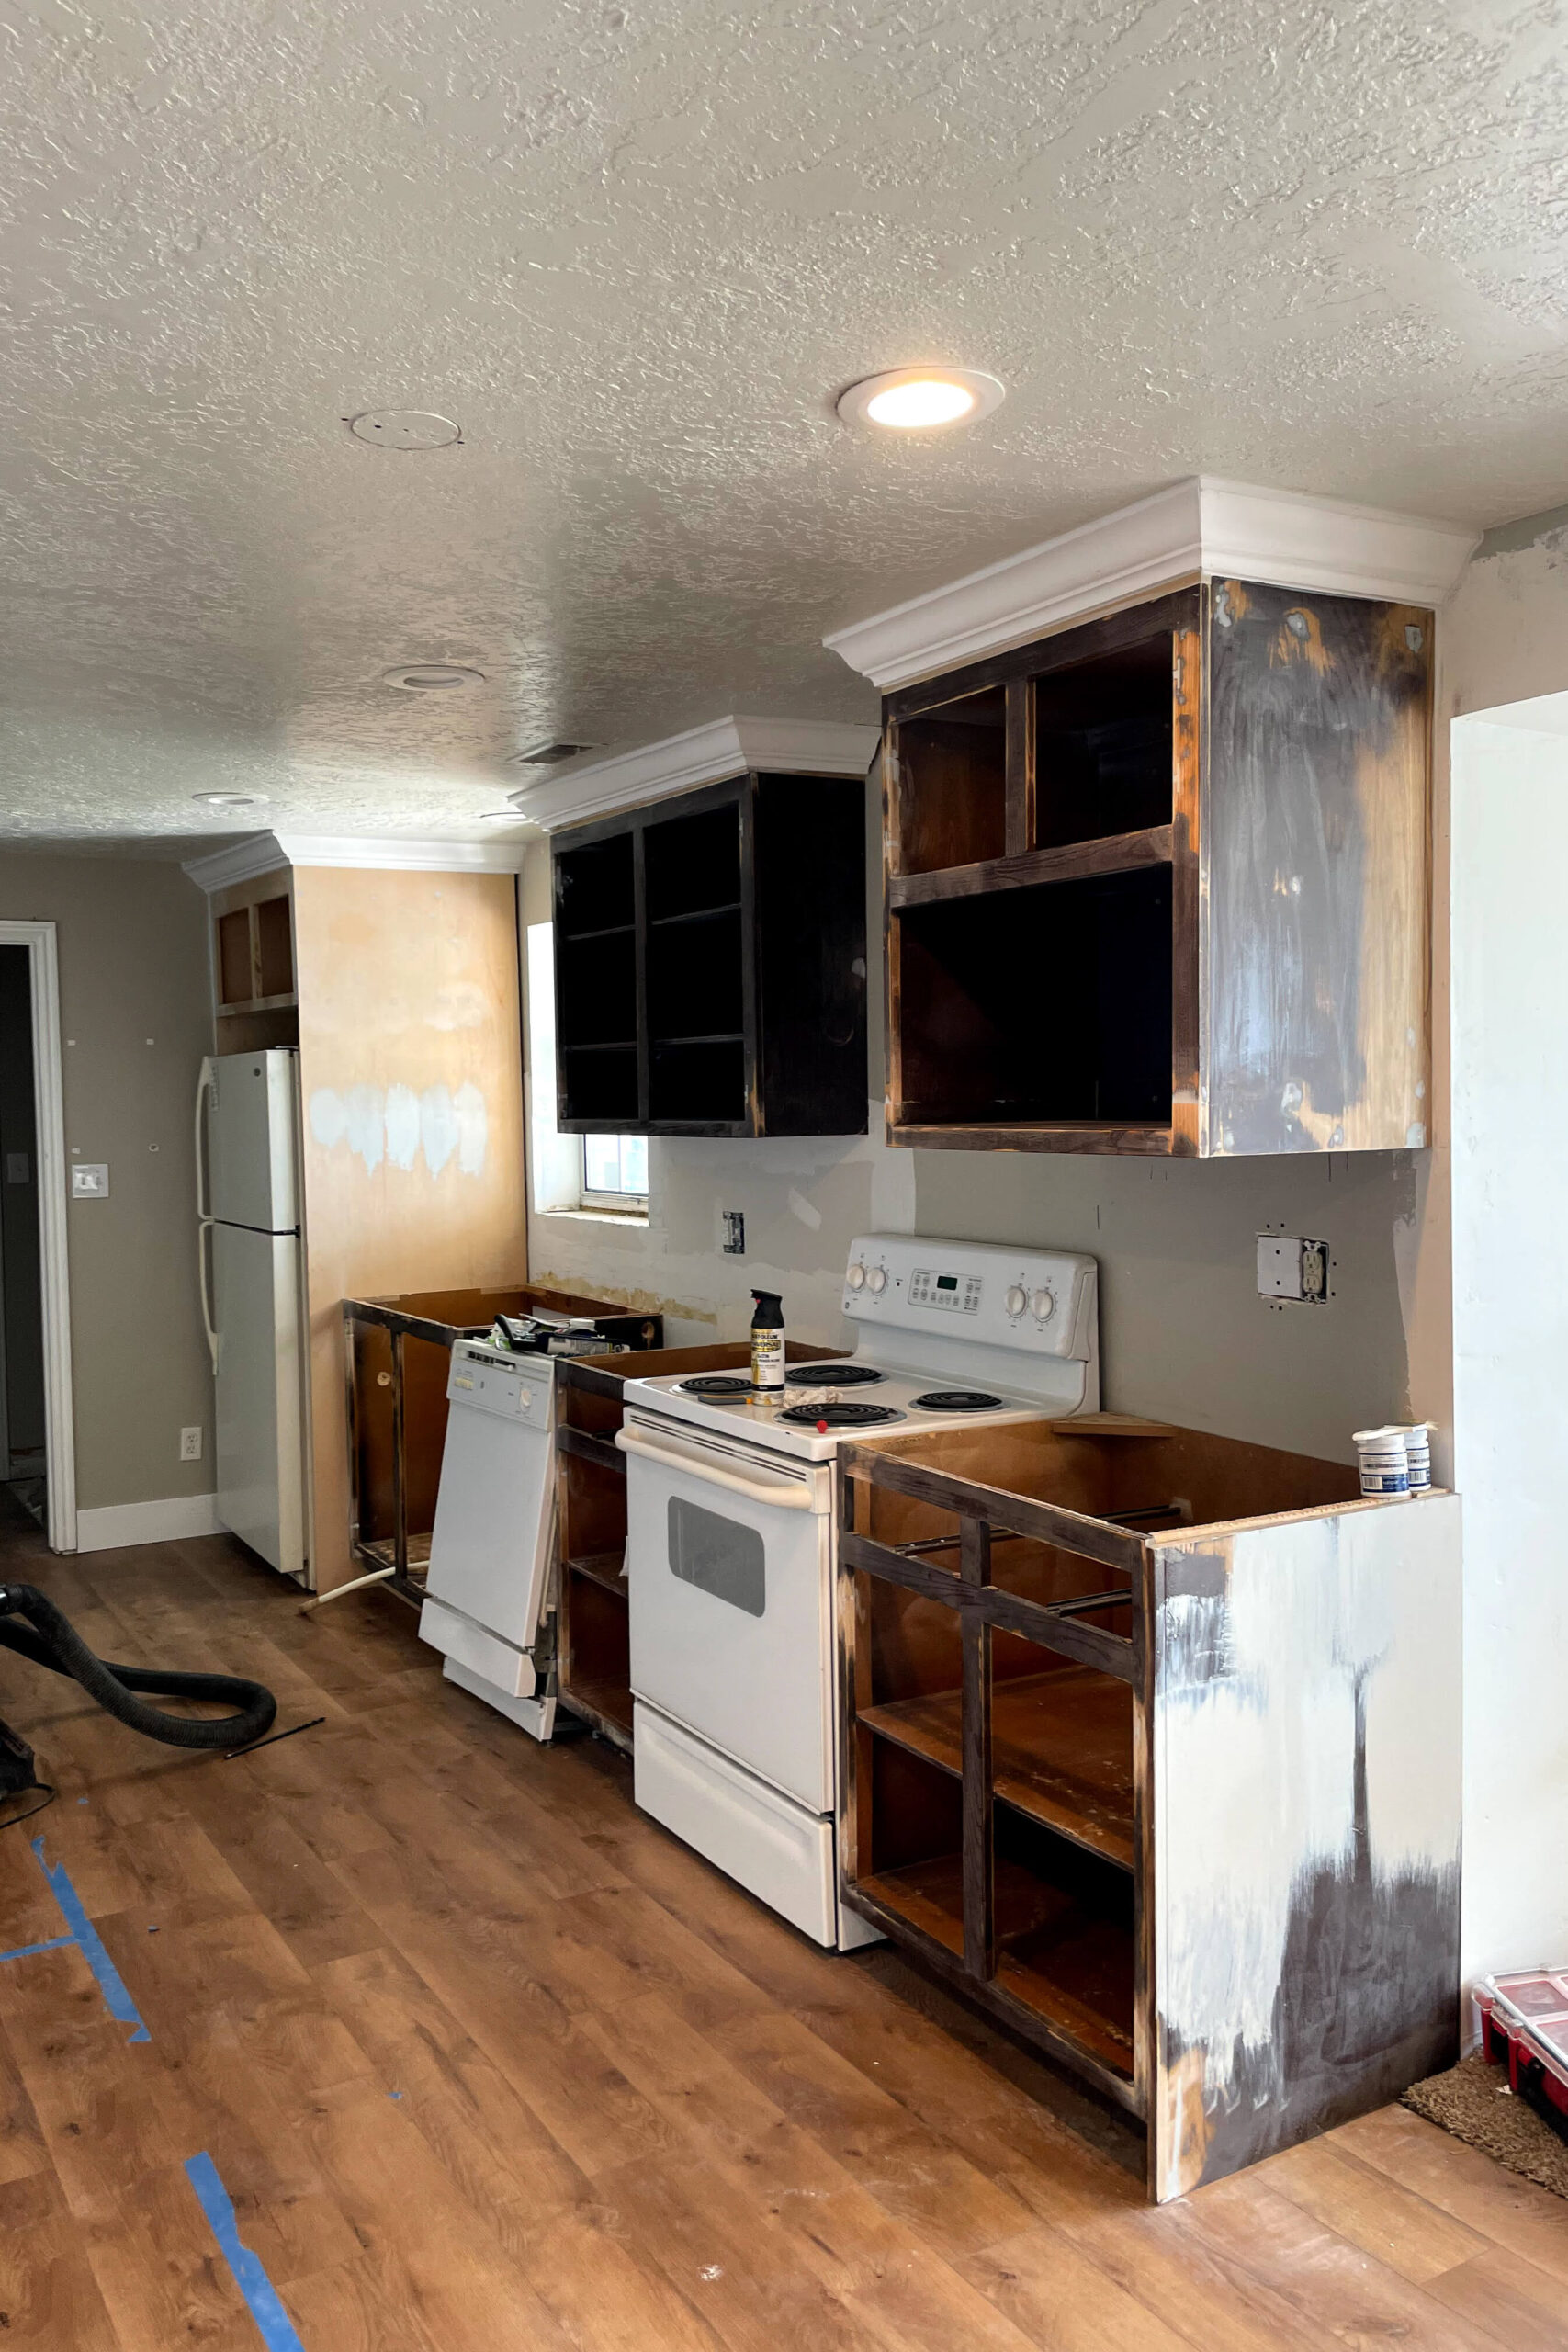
<point>1307,1793</point>
<point>410,1077</point>
<point>1318,909</point>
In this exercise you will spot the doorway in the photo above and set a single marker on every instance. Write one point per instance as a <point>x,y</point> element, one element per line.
<point>23,1459</point>
<point>38,1467</point>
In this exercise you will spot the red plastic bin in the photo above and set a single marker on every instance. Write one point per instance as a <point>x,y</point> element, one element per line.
<point>1524,2024</point>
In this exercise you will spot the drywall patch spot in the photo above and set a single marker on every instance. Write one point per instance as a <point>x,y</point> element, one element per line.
<point>366,1125</point>
<point>438,1124</point>
<point>329,1120</point>
<point>473,1129</point>
<point>403,1125</point>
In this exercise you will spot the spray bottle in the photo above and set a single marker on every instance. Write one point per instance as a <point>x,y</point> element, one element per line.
<point>767,1342</point>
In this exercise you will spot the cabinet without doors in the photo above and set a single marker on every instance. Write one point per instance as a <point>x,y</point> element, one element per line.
<point>1150,1747</point>
<point>1160,883</point>
<point>710,963</point>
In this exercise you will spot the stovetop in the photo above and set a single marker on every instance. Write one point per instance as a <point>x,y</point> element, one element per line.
<point>826,1405</point>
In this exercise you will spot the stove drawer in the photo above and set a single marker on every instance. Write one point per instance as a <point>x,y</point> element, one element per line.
<point>773,1848</point>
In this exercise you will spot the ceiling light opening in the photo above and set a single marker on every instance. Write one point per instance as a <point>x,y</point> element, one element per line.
<point>231,799</point>
<point>547,755</point>
<point>431,677</point>
<point>913,400</point>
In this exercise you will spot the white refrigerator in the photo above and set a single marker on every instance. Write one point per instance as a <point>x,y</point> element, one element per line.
<point>248,1203</point>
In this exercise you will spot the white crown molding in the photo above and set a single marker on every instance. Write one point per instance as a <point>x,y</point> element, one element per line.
<point>725,747</point>
<point>369,852</point>
<point>239,861</point>
<point>1202,526</point>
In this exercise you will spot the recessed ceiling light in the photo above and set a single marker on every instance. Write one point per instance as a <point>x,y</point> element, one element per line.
<point>910,399</point>
<point>403,428</point>
<point>232,799</point>
<point>546,755</point>
<point>431,677</point>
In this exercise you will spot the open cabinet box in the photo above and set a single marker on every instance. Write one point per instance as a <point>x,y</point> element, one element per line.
<point>1150,1747</point>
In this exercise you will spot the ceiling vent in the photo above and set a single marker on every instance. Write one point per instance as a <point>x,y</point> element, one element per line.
<point>549,755</point>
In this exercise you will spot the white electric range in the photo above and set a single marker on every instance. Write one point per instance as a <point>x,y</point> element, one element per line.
<point>730,1539</point>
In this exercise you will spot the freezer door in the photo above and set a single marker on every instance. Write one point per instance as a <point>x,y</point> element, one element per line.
<point>260,1444</point>
<point>490,1547</point>
<point>249,1131</point>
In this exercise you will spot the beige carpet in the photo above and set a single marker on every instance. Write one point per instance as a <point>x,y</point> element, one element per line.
<point>1472,2101</point>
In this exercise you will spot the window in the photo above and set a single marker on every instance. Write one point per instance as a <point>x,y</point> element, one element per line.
<point>615,1172</point>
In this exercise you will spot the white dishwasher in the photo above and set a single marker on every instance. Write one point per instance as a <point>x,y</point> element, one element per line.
<point>485,1594</point>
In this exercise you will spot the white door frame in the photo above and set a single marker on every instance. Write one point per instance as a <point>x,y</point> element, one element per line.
<point>48,1105</point>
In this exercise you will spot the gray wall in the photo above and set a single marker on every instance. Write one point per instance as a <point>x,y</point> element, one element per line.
<point>1184,1332</point>
<point>132,946</point>
<point>22,1421</point>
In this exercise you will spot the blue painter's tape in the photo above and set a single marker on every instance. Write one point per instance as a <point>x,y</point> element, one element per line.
<point>25,1951</point>
<point>273,2323</point>
<point>111,1984</point>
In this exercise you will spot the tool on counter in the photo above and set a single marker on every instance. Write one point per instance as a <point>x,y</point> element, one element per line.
<point>767,1340</point>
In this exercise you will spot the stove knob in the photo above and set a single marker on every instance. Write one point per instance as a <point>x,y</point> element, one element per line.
<point>1044,1306</point>
<point>876,1281</point>
<point>856,1275</point>
<point>1018,1299</point>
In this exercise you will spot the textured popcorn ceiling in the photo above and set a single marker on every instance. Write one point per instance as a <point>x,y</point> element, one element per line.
<point>634,250</point>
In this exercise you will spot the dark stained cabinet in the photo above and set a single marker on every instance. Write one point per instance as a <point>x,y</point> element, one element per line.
<point>710,963</point>
<point>1160,883</point>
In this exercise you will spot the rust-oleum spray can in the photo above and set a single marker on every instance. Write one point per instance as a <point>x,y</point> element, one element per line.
<point>767,1342</point>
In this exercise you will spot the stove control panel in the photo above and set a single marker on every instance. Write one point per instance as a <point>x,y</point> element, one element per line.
<point>1042,1302</point>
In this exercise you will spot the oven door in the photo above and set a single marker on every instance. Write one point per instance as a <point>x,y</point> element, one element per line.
<point>728,1585</point>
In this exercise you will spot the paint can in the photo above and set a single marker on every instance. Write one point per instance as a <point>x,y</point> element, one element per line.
<point>1418,1454</point>
<point>1384,1461</point>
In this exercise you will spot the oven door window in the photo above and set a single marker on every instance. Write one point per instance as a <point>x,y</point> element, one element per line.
<point>718,1556</point>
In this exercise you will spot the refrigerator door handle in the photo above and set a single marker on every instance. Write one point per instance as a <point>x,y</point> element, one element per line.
<point>203,1221</point>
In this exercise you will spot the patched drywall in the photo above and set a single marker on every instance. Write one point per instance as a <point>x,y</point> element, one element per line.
<point>135,1022</point>
<point>634,252</point>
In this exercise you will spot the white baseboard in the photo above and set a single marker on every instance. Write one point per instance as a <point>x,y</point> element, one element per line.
<point>115,1526</point>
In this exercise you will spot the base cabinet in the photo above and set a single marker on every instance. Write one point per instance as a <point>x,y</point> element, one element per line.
<point>1151,1748</point>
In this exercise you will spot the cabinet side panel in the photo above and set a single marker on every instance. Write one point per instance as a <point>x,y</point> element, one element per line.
<point>1317,858</point>
<point>1308,1797</point>
<point>811,968</point>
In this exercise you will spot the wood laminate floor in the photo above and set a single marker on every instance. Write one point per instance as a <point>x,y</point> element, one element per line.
<point>489,2064</point>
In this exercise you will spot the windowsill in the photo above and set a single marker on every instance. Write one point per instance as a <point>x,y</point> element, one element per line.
<point>600,1216</point>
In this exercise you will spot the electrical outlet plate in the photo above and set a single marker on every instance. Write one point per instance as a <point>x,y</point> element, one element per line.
<point>1293,1268</point>
<point>190,1445</point>
<point>732,1223</point>
<point>89,1180</point>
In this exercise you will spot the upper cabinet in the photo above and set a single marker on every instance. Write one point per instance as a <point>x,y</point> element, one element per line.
<point>1158,881</point>
<point>710,958</point>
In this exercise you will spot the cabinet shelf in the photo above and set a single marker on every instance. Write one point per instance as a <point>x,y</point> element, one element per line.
<point>1077,861</point>
<point>604,930</point>
<point>1061,1751</point>
<point>696,914</point>
<point>606,1569</point>
<point>604,1046</point>
<point>711,1037</point>
<point>1056,1952</point>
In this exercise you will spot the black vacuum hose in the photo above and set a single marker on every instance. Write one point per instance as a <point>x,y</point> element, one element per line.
<point>56,1645</point>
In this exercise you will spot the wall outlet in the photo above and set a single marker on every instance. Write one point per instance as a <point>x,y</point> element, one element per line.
<point>732,1223</point>
<point>89,1180</point>
<point>190,1445</point>
<point>1293,1269</point>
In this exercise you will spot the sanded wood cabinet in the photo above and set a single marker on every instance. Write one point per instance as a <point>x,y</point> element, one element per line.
<point>1159,882</point>
<point>1150,1747</point>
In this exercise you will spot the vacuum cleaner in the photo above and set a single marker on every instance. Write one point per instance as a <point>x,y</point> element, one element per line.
<point>50,1639</point>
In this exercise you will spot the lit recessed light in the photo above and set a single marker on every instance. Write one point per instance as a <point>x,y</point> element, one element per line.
<point>908,399</point>
<point>232,799</point>
<point>431,677</point>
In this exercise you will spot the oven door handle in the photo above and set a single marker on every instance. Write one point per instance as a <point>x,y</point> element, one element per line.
<point>784,1496</point>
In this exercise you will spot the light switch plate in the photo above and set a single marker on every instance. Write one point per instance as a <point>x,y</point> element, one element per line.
<point>90,1180</point>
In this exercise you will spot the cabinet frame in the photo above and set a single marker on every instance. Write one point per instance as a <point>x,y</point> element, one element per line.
<point>791,1083</point>
<point>1234,801</point>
